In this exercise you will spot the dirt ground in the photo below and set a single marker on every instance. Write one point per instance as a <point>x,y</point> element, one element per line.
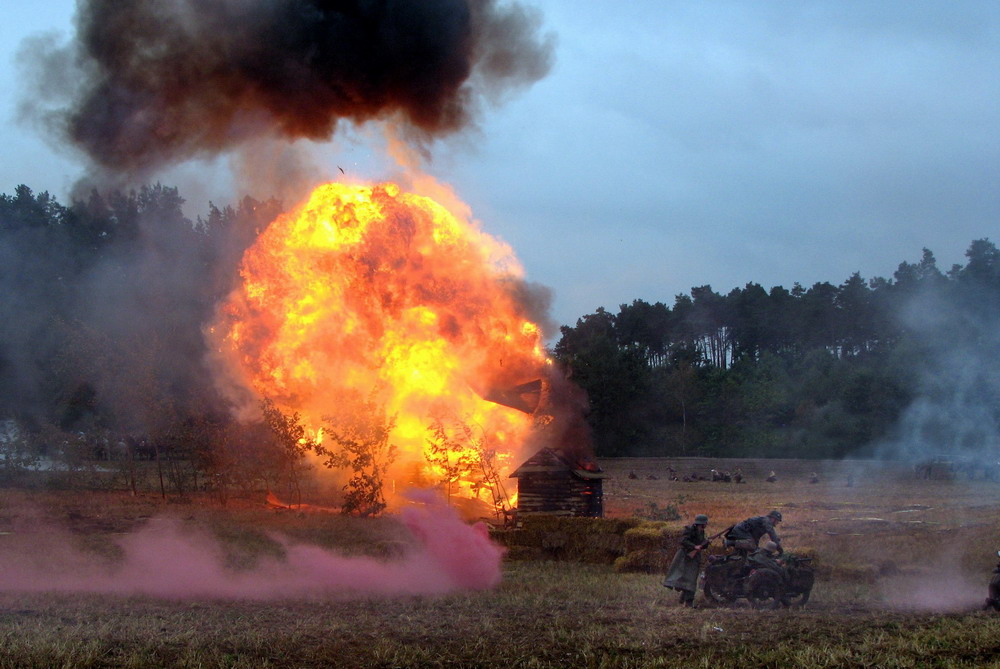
<point>903,566</point>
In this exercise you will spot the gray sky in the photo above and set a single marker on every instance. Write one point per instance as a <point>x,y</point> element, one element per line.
<point>677,144</point>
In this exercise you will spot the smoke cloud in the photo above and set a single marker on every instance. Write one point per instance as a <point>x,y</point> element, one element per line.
<point>162,81</point>
<point>166,559</point>
<point>954,413</point>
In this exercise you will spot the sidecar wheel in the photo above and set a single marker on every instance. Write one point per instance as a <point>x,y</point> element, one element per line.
<point>764,589</point>
<point>713,594</point>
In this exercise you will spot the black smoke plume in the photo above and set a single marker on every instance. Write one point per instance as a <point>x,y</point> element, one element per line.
<point>162,81</point>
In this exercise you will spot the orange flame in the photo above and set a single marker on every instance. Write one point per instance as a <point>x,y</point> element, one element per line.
<point>371,289</point>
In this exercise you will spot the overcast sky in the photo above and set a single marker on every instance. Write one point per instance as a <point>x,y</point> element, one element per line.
<point>677,144</point>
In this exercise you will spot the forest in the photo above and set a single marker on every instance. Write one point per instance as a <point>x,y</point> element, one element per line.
<point>103,301</point>
<point>896,367</point>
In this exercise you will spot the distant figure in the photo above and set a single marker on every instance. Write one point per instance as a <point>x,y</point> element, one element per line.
<point>632,475</point>
<point>673,476</point>
<point>772,477</point>
<point>686,479</point>
<point>738,475</point>
<point>850,480</point>
<point>716,476</point>
<point>653,477</point>
<point>814,478</point>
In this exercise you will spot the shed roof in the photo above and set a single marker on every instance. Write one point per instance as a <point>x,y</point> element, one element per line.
<point>550,460</point>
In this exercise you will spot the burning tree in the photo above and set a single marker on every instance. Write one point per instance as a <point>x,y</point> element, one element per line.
<point>292,443</point>
<point>361,431</point>
<point>462,453</point>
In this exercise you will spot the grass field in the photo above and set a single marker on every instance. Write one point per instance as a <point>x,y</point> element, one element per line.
<point>903,568</point>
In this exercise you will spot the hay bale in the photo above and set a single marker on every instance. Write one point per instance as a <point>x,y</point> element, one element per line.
<point>524,553</point>
<point>643,561</point>
<point>595,540</point>
<point>648,536</point>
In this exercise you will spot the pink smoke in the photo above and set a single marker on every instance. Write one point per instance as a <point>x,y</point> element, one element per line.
<point>944,592</point>
<point>164,559</point>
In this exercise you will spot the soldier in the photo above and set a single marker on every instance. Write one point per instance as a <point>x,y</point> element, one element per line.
<point>738,475</point>
<point>772,477</point>
<point>766,557</point>
<point>746,534</point>
<point>814,478</point>
<point>993,601</point>
<point>683,572</point>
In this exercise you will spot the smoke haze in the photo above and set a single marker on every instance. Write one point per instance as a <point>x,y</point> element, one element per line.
<point>954,412</point>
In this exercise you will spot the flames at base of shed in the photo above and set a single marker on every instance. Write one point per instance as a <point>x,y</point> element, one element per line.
<point>385,317</point>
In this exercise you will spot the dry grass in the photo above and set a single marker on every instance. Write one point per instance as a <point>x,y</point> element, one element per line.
<point>550,614</point>
<point>887,520</point>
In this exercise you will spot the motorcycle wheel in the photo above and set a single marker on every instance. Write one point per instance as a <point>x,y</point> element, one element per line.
<point>714,593</point>
<point>717,578</point>
<point>764,589</point>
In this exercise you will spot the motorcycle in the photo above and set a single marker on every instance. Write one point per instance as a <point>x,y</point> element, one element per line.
<point>993,601</point>
<point>730,577</point>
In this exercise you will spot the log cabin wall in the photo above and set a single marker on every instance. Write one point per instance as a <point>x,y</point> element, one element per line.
<point>546,483</point>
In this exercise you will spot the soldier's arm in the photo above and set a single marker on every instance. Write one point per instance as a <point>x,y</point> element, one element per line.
<point>687,541</point>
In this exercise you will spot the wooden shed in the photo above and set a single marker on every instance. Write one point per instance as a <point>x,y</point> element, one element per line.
<point>549,482</point>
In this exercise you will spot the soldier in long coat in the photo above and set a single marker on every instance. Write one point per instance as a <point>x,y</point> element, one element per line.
<point>683,572</point>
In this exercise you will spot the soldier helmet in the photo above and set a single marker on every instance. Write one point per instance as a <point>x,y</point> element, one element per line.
<point>701,519</point>
<point>774,514</point>
<point>770,546</point>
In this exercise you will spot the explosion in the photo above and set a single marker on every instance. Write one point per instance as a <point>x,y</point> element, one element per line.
<point>366,308</point>
<point>367,295</point>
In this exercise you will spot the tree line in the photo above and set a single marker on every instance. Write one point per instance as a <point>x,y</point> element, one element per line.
<point>102,355</point>
<point>824,372</point>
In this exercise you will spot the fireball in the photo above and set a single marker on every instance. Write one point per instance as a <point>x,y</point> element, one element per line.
<point>371,291</point>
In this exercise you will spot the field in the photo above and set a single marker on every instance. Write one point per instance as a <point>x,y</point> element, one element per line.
<point>903,570</point>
